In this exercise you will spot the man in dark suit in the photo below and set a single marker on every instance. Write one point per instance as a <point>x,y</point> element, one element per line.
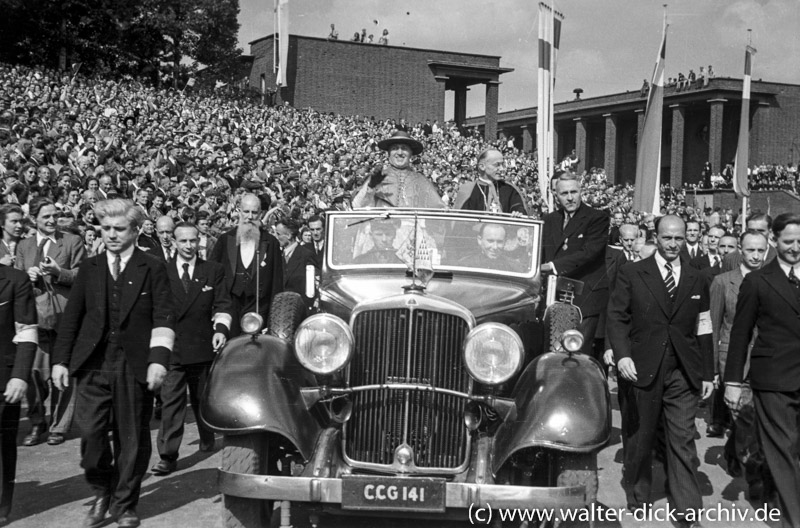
<point>296,259</point>
<point>116,337</point>
<point>166,248</point>
<point>53,257</point>
<point>769,299</point>
<point>251,257</point>
<point>202,322</point>
<point>18,338</point>
<point>711,259</point>
<point>574,244</point>
<point>692,248</point>
<point>660,330</point>
<point>317,228</point>
<point>489,191</point>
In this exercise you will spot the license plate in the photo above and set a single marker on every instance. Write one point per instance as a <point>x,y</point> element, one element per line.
<point>422,494</point>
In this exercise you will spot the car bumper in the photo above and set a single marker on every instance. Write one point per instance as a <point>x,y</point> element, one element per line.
<point>458,495</point>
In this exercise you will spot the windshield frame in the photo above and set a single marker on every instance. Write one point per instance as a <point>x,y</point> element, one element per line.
<point>363,216</point>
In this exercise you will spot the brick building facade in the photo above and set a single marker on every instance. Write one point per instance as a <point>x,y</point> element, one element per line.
<point>351,78</point>
<point>700,124</point>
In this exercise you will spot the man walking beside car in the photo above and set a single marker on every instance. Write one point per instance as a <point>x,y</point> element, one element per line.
<point>51,260</point>
<point>202,324</point>
<point>116,337</point>
<point>659,328</point>
<point>252,261</point>
<point>769,300</point>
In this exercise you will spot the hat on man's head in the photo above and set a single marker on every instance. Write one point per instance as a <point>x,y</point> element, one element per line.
<point>402,137</point>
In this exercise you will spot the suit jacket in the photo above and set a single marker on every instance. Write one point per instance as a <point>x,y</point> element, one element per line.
<point>767,300</point>
<point>270,267</point>
<point>294,272</point>
<point>724,293</point>
<point>68,252</point>
<point>147,319</point>
<point>319,254</point>
<point>17,307</point>
<point>641,324</point>
<point>685,255</point>
<point>158,252</point>
<point>194,310</point>
<point>579,253</point>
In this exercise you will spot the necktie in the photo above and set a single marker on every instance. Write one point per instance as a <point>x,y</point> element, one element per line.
<point>40,251</point>
<point>715,263</point>
<point>692,252</point>
<point>185,277</point>
<point>566,221</point>
<point>793,278</point>
<point>669,282</point>
<point>116,266</point>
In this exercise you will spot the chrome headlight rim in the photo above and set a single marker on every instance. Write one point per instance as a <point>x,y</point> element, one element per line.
<point>251,323</point>
<point>323,320</point>
<point>493,327</point>
<point>571,340</point>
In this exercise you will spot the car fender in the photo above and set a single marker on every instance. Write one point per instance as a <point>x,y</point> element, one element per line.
<point>254,385</point>
<point>562,402</point>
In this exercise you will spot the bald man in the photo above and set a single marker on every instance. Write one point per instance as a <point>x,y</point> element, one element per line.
<point>253,263</point>
<point>659,327</point>
<point>490,191</point>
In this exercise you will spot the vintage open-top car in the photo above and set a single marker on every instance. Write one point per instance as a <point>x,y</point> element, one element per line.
<point>428,383</point>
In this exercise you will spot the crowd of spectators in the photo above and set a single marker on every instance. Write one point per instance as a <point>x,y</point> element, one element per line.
<point>362,37</point>
<point>78,140</point>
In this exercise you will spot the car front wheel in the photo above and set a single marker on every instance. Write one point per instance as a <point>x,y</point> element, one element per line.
<point>245,454</point>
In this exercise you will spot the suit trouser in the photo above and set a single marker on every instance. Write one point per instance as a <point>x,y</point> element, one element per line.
<point>111,399</point>
<point>9,425</point>
<point>173,411</point>
<point>62,403</point>
<point>778,419</point>
<point>671,400</point>
<point>588,328</point>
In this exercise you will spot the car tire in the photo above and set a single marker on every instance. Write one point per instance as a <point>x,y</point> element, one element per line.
<point>245,454</point>
<point>577,469</point>
<point>559,318</point>
<point>285,314</point>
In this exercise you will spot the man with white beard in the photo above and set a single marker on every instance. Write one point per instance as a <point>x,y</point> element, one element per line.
<point>245,251</point>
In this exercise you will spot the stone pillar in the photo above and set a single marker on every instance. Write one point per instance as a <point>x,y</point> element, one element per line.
<point>610,161</point>
<point>492,103</point>
<point>759,132</point>
<point>639,126</point>
<point>555,144</point>
<point>581,145</point>
<point>527,139</point>
<point>678,141</point>
<point>460,110</point>
<point>715,134</point>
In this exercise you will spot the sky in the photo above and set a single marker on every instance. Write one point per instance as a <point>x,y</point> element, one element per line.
<point>607,46</point>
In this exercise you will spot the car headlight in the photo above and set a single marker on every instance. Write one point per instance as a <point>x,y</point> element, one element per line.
<point>493,353</point>
<point>572,340</point>
<point>323,343</point>
<point>251,323</point>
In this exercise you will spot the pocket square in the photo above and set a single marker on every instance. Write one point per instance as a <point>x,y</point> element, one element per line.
<point>207,288</point>
<point>142,294</point>
<point>695,297</point>
<point>4,302</point>
<point>580,236</point>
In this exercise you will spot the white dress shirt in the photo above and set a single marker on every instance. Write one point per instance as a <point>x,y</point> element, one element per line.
<point>125,256</point>
<point>180,261</point>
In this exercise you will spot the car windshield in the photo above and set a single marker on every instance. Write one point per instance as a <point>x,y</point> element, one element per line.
<point>436,241</point>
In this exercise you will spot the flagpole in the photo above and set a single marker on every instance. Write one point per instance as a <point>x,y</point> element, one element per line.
<point>274,35</point>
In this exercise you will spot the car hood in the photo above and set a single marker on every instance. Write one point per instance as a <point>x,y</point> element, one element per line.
<point>489,299</point>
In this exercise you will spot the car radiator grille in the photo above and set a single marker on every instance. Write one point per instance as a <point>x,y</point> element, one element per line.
<point>408,346</point>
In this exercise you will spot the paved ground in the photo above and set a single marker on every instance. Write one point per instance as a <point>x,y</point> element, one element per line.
<point>51,491</point>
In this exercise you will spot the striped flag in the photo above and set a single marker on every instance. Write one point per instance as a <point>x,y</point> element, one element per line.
<point>282,11</point>
<point>743,146</point>
<point>646,197</point>
<point>549,41</point>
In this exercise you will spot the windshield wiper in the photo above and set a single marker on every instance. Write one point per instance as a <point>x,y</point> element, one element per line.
<point>385,216</point>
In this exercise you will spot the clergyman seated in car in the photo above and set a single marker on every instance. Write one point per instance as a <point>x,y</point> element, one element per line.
<point>491,241</point>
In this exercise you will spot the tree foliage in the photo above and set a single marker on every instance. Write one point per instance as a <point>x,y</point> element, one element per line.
<point>139,37</point>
